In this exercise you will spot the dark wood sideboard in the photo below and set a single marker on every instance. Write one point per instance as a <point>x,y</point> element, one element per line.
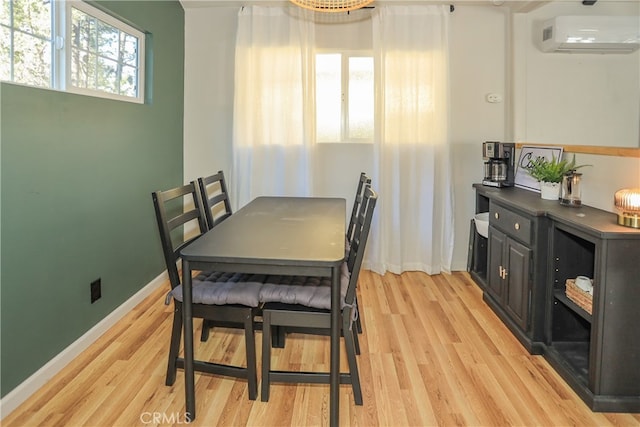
<point>533,247</point>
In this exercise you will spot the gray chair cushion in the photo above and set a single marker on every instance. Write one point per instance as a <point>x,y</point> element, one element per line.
<point>308,291</point>
<point>218,288</point>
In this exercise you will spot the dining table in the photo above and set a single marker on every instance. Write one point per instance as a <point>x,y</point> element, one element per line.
<point>272,235</point>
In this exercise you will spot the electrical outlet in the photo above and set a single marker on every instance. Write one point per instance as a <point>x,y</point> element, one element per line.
<point>96,290</point>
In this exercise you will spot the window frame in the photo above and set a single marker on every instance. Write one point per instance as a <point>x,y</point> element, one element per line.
<point>345,55</point>
<point>121,26</point>
<point>60,77</point>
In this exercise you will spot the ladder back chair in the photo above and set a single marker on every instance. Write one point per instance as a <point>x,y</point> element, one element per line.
<point>230,298</point>
<point>217,205</point>
<point>357,201</point>
<point>303,304</point>
<point>363,181</point>
<point>214,193</point>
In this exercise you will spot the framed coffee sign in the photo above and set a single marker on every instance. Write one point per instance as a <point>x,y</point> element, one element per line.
<point>529,153</point>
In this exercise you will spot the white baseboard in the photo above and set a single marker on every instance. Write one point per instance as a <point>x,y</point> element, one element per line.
<point>29,386</point>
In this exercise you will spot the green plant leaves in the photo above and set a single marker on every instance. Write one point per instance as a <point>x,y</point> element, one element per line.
<point>552,170</point>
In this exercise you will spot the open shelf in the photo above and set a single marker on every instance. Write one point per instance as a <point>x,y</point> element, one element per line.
<point>576,356</point>
<point>477,257</point>
<point>574,256</point>
<point>562,297</point>
<point>570,340</point>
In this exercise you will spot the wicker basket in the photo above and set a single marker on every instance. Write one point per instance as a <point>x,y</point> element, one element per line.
<point>583,299</point>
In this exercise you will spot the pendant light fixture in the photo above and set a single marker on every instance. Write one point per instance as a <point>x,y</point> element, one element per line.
<point>332,6</point>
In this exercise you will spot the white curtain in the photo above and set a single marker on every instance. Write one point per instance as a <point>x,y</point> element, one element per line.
<point>272,129</point>
<point>413,227</point>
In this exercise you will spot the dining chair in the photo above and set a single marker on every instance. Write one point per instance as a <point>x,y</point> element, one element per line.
<point>278,338</point>
<point>303,304</point>
<point>363,181</point>
<point>357,201</point>
<point>217,205</point>
<point>213,190</point>
<point>224,298</point>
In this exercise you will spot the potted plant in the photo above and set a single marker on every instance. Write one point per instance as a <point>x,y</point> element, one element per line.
<point>549,173</point>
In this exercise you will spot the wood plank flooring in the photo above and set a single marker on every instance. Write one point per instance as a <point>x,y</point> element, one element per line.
<point>432,354</point>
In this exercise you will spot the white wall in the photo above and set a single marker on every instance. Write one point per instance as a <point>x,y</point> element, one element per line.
<point>480,64</point>
<point>607,175</point>
<point>478,57</point>
<point>208,90</point>
<point>579,99</point>
<point>597,96</point>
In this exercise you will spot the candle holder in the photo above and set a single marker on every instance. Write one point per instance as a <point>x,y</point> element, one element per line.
<point>627,203</point>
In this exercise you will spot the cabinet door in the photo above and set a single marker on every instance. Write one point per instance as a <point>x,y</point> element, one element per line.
<point>496,265</point>
<point>517,259</point>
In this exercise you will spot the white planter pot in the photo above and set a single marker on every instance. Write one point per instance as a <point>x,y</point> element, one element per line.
<point>550,190</point>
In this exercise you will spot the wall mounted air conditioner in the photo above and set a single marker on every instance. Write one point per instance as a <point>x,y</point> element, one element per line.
<point>590,34</point>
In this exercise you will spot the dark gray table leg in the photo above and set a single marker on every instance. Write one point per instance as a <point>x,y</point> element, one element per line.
<point>187,320</point>
<point>334,396</point>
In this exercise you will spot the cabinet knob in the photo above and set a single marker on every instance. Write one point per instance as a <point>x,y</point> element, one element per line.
<point>496,215</point>
<point>517,226</point>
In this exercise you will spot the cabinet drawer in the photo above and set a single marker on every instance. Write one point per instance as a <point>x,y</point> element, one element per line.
<point>513,224</point>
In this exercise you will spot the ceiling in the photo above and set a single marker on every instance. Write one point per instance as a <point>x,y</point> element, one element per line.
<point>514,5</point>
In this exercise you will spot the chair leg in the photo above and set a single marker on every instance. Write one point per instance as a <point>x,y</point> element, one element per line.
<point>266,355</point>
<point>174,346</point>
<point>206,327</point>
<point>356,331</point>
<point>349,340</point>
<point>356,340</point>
<point>358,322</point>
<point>250,343</point>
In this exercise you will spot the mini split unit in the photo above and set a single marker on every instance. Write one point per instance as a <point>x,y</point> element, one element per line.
<point>590,34</point>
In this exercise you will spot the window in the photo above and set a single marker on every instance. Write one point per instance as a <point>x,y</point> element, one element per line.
<point>71,46</point>
<point>104,53</point>
<point>344,97</point>
<point>25,42</point>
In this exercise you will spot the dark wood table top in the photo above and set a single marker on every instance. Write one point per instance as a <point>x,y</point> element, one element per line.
<point>306,231</point>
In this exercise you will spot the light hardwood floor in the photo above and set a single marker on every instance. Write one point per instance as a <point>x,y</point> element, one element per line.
<point>432,354</point>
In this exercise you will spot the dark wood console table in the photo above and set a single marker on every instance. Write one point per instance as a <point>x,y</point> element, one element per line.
<point>534,246</point>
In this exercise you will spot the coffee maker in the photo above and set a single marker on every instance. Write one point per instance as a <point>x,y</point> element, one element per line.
<point>499,163</point>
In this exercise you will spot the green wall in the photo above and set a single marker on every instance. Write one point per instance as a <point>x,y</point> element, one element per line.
<point>77,174</point>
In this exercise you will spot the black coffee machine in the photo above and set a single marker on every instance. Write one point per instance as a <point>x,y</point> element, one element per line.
<point>499,163</point>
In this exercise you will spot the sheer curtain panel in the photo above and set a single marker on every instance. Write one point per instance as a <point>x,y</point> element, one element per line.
<point>272,128</point>
<point>414,223</point>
